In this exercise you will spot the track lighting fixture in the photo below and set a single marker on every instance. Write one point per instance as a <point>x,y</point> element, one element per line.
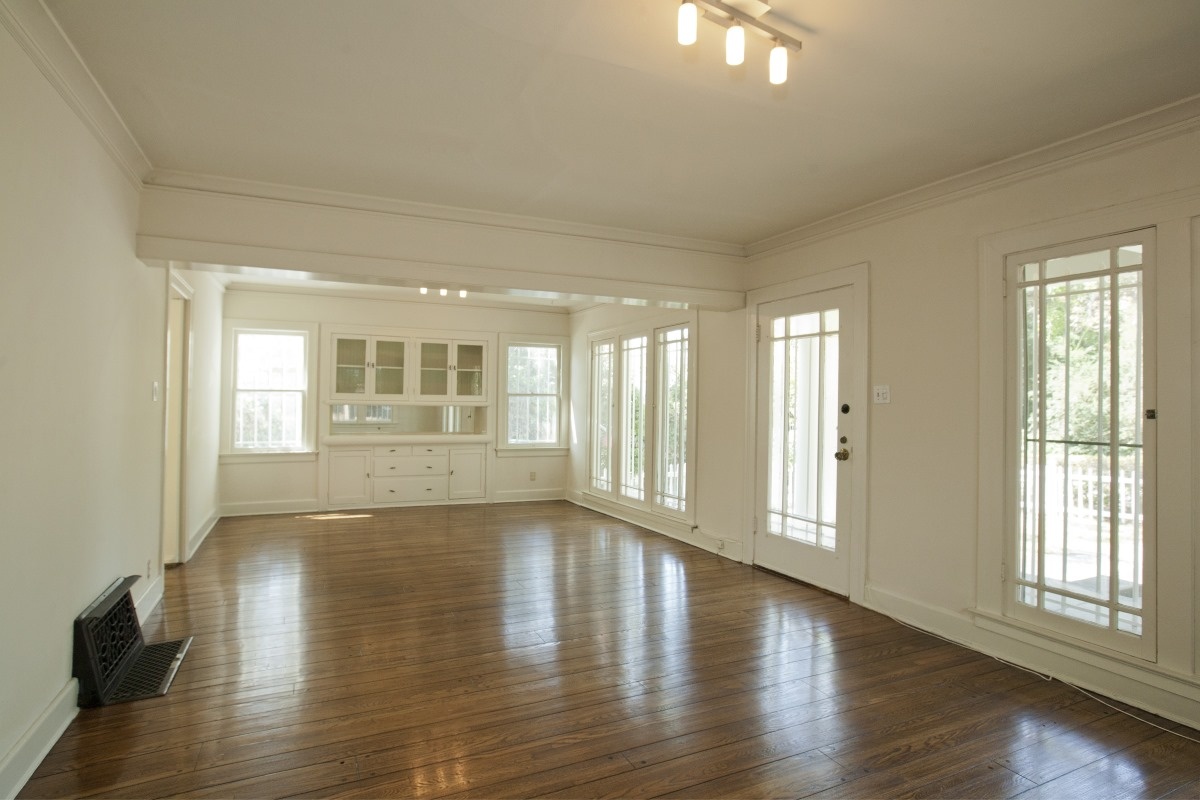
<point>688,14</point>
<point>735,20</point>
<point>735,45</point>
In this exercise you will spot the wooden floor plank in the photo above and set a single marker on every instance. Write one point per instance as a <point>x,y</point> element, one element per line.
<point>540,649</point>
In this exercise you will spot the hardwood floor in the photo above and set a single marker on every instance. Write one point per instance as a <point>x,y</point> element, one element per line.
<point>544,650</point>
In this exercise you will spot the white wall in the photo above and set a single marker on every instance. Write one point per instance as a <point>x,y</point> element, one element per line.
<point>81,343</point>
<point>285,483</point>
<point>925,455</point>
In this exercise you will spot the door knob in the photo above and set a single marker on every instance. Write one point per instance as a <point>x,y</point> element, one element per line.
<point>842,455</point>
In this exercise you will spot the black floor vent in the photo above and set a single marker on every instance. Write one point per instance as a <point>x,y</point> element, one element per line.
<point>112,661</point>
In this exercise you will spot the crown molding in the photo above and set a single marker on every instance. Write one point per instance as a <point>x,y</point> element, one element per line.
<point>1161,123</point>
<point>37,32</point>
<point>344,201</point>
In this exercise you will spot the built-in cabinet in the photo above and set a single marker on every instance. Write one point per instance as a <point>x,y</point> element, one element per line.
<point>375,369</point>
<point>396,386</point>
<point>369,368</point>
<point>405,474</point>
<point>451,371</point>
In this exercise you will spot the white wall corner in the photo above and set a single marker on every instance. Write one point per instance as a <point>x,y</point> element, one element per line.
<point>197,538</point>
<point>39,35</point>
<point>18,764</point>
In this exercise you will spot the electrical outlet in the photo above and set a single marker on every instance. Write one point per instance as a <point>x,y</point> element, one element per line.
<point>533,476</point>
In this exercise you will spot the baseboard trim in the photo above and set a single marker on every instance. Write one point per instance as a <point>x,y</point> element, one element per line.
<point>197,538</point>
<point>526,495</point>
<point>151,596</point>
<point>1145,687</point>
<point>18,764</point>
<point>678,530</point>
<point>270,507</point>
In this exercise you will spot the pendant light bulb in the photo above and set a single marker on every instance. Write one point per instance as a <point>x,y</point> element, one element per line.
<point>442,292</point>
<point>462,292</point>
<point>735,44</point>
<point>424,290</point>
<point>777,66</point>
<point>688,14</point>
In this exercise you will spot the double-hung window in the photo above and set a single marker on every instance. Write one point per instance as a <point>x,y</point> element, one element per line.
<point>269,397</point>
<point>533,393</point>
<point>641,417</point>
<point>1081,449</point>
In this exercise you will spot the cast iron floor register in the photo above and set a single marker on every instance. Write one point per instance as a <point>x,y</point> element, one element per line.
<point>112,661</point>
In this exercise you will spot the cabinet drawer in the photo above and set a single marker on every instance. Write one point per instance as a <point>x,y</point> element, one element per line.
<point>393,450</point>
<point>411,465</point>
<point>407,490</point>
<point>430,449</point>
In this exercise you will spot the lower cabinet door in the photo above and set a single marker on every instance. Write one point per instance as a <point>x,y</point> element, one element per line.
<point>409,490</point>
<point>349,477</point>
<point>466,473</point>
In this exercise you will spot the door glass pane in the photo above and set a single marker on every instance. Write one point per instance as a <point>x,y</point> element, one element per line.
<point>350,368</point>
<point>435,369</point>
<point>671,448</point>
<point>1079,383</point>
<point>602,415</point>
<point>633,402</point>
<point>802,430</point>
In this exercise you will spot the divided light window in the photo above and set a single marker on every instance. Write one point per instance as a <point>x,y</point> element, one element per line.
<point>270,388</point>
<point>534,383</point>
<point>639,418</point>
<point>1082,452</point>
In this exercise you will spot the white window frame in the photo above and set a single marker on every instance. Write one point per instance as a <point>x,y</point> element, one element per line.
<point>232,327</point>
<point>651,496</point>
<point>1138,645</point>
<point>559,446</point>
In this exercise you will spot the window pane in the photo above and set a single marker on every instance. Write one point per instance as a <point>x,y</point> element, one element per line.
<point>268,420</point>
<point>532,369</point>
<point>270,361</point>
<point>633,417</point>
<point>532,419</point>
<point>602,415</point>
<point>671,456</point>
<point>1077,264</point>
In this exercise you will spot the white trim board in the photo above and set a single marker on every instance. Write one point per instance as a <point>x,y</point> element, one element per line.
<point>18,764</point>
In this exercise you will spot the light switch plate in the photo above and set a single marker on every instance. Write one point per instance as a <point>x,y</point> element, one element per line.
<point>883,393</point>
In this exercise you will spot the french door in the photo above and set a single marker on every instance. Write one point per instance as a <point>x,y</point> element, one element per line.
<point>805,437</point>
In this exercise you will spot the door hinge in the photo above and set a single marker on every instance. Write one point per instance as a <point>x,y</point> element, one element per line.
<point>755,530</point>
<point>1004,287</point>
<point>758,332</point>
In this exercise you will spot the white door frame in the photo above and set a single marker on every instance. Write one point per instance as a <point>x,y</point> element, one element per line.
<point>174,492</point>
<point>855,277</point>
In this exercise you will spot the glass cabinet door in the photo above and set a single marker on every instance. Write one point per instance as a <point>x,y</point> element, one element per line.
<point>350,366</point>
<point>468,358</point>
<point>435,370</point>
<point>389,368</point>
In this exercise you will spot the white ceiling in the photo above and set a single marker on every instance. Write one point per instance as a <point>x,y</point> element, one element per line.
<point>589,112</point>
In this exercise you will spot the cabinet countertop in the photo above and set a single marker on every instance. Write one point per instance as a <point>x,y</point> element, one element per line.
<point>370,440</point>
